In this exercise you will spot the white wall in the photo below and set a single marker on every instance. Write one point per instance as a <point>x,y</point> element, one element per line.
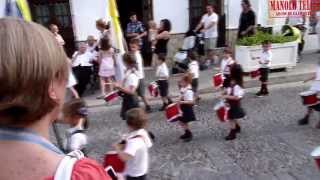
<point>2,7</point>
<point>84,15</point>
<point>177,11</point>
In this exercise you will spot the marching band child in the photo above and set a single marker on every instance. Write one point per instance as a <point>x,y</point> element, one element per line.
<point>75,113</point>
<point>134,45</point>
<point>129,85</point>
<point>316,88</point>
<point>233,96</point>
<point>186,104</point>
<point>226,64</point>
<point>162,73</point>
<point>133,149</point>
<point>193,68</point>
<point>265,61</point>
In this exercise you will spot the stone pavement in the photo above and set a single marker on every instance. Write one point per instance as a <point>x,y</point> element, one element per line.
<point>271,146</point>
<point>299,73</point>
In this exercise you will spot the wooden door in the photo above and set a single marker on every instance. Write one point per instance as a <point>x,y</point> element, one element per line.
<point>55,12</point>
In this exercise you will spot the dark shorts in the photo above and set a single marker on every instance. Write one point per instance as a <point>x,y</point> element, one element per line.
<point>315,107</point>
<point>264,74</point>
<point>128,102</point>
<point>194,85</point>
<point>163,87</point>
<point>141,88</point>
<point>187,114</point>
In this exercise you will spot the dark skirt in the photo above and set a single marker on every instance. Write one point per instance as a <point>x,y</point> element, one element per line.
<point>187,113</point>
<point>236,112</point>
<point>195,84</point>
<point>264,74</point>
<point>128,102</point>
<point>315,107</point>
<point>226,81</point>
<point>163,87</point>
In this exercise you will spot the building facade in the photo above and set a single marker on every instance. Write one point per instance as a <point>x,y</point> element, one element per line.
<point>76,18</point>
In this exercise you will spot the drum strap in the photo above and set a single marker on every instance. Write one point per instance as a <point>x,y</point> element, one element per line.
<point>26,135</point>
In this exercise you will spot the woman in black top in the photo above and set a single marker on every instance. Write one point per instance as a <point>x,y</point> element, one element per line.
<point>247,20</point>
<point>163,37</point>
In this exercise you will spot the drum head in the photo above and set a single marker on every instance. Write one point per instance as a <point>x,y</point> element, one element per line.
<point>316,152</point>
<point>308,93</point>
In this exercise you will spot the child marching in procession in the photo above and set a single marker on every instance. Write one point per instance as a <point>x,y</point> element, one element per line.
<point>315,87</point>
<point>225,67</point>
<point>75,113</point>
<point>194,69</point>
<point>134,46</point>
<point>265,61</point>
<point>233,96</point>
<point>162,73</point>
<point>134,148</point>
<point>129,85</point>
<point>186,104</point>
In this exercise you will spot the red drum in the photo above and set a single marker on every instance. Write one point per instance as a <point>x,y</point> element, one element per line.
<point>316,156</point>
<point>255,74</point>
<point>112,159</point>
<point>153,89</point>
<point>222,111</point>
<point>112,96</point>
<point>309,98</point>
<point>173,112</point>
<point>217,80</point>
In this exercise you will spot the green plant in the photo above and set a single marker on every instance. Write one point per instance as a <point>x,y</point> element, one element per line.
<point>260,37</point>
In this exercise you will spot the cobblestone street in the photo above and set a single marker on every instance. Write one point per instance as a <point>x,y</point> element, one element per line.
<point>271,146</point>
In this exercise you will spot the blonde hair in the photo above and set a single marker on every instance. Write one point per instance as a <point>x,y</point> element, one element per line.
<point>30,61</point>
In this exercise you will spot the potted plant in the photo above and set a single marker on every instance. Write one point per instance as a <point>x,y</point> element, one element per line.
<point>284,50</point>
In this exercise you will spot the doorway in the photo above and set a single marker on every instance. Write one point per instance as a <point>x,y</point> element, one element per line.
<point>143,9</point>
<point>55,12</point>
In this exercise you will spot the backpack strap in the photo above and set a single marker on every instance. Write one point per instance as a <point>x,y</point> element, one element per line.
<point>64,170</point>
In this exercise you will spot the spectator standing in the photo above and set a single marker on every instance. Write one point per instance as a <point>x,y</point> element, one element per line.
<point>55,30</point>
<point>162,38</point>
<point>208,26</point>
<point>25,114</point>
<point>247,20</point>
<point>106,66</point>
<point>103,27</point>
<point>135,29</point>
<point>82,67</point>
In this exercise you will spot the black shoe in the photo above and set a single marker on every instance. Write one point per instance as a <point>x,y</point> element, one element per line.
<point>186,134</point>
<point>260,94</point>
<point>303,121</point>
<point>152,136</point>
<point>238,128</point>
<point>148,109</point>
<point>232,135</point>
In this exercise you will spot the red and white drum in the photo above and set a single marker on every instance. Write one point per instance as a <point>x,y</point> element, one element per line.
<point>316,156</point>
<point>255,74</point>
<point>309,98</point>
<point>217,80</point>
<point>222,111</point>
<point>112,96</point>
<point>173,112</point>
<point>153,89</point>
<point>112,159</point>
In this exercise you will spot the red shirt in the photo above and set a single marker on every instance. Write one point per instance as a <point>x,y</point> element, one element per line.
<point>87,169</point>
